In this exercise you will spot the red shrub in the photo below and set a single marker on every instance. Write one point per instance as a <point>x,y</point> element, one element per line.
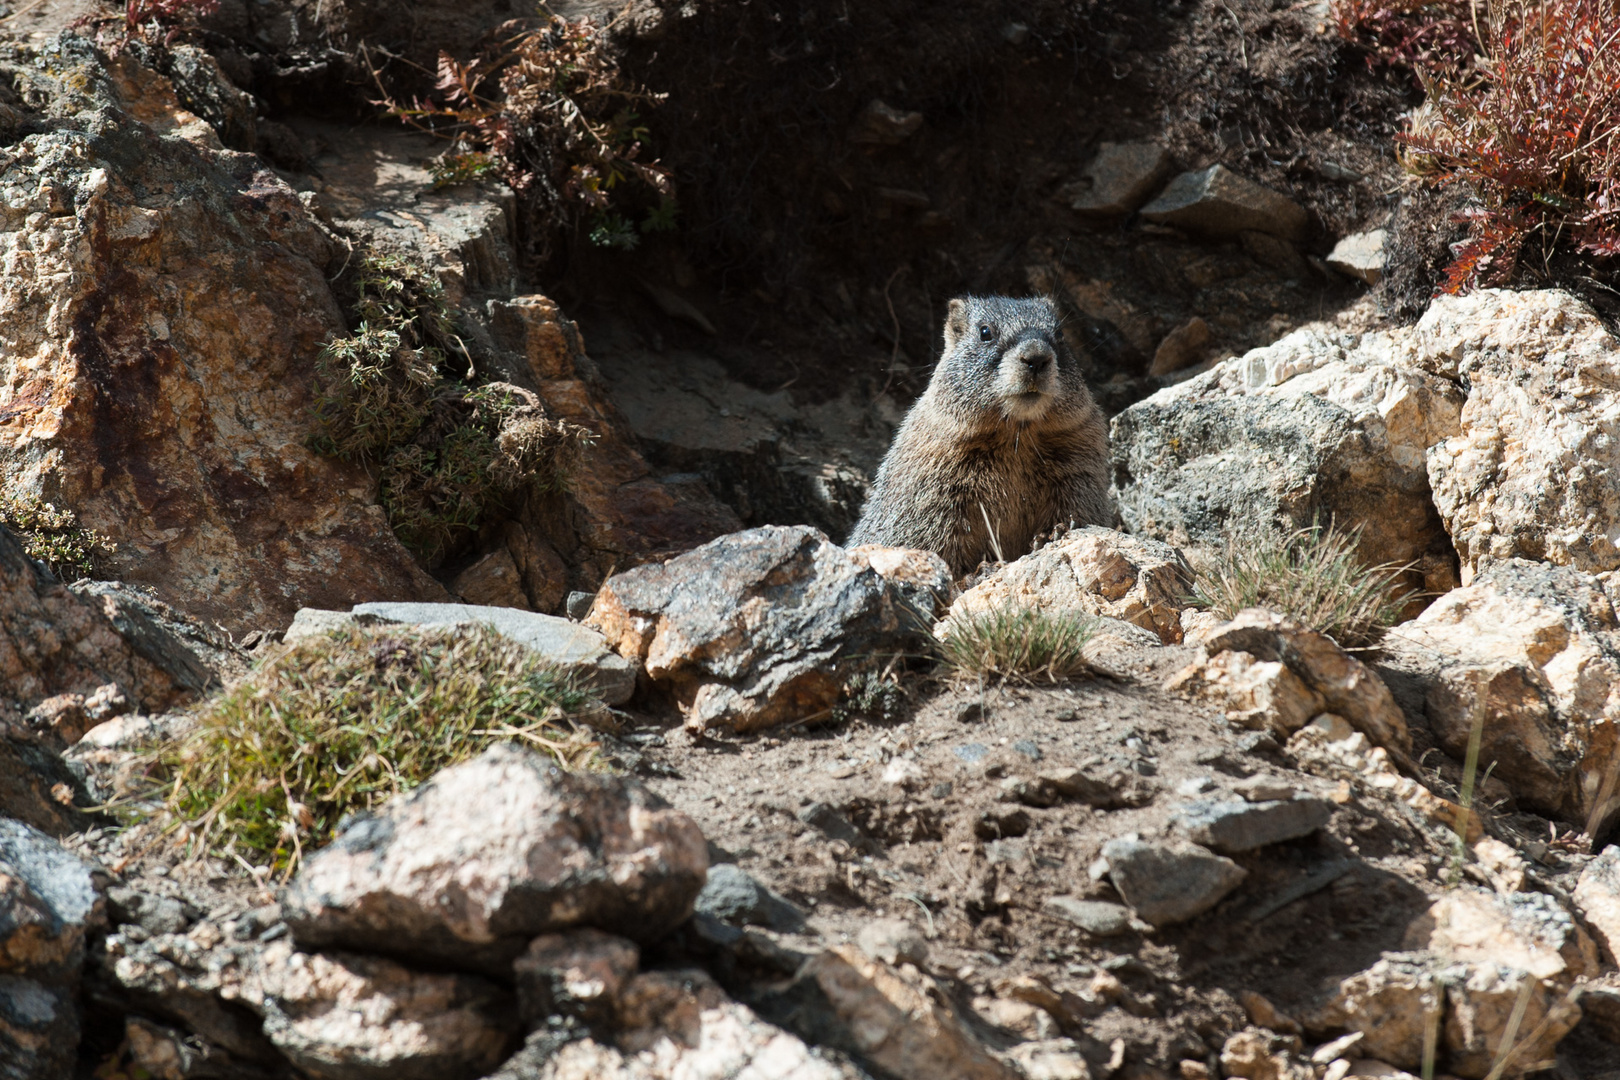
<point>1420,34</point>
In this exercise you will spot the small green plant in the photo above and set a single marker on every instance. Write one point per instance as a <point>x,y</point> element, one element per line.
<point>1018,643</point>
<point>445,453</point>
<point>341,722</point>
<point>1311,574</point>
<point>874,695</point>
<point>53,536</point>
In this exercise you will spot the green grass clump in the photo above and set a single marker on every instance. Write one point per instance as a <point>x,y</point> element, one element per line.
<point>1313,575</point>
<point>53,536</point>
<point>1018,643</point>
<point>445,452</point>
<point>339,723</point>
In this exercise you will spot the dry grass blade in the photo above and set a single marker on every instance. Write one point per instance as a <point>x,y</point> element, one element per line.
<point>342,722</point>
<point>1018,643</point>
<point>1311,574</point>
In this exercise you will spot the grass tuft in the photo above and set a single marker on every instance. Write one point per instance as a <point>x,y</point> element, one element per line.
<point>54,537</point>
<point>1313,575</point>
<point>339,723</point>
<point>1018,643</point>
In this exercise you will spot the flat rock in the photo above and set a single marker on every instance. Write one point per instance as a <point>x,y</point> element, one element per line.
<point>48,901</point>
<point>1361,256</point>
<point>346,1017</point>
<point>1535,649</point>
<point>572,647</point>
<point>1119,179</point>
<point>1218,202</point>
<point>754,629</point>
<point>1234,826</point>
<point>486,855</point>
<point>1094,570</point>
<point>1097,917</point>
<point>1169,882</point>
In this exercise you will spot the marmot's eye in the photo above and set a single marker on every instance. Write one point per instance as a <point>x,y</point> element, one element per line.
<point>985,333</point>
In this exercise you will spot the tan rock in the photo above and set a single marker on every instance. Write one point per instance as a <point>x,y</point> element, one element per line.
<point>1390,1004</point>
<point>1262,1013</point>
<point>1525,931</point>
<point>1479,1018</point>
<point>581,974</point>
<point>1219,202</point>
<point>921,577</point>
<point>1120,178</point>
<point>1050,1059</point>
<point>1181,347</point>
<point>1093,570</point>
<point>1530,471</point>
<point>1259,694</point>
<point>1361,256</point>
<point>162,324</point>
<point>902,1028</point>
<point>492,581</point>
<point>1254,1055</point>
<point>1532,653</point>
<point>1597,896</point>
<point>544,573</point>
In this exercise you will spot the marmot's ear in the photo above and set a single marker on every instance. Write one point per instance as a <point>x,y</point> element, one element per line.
<point>956,323</point>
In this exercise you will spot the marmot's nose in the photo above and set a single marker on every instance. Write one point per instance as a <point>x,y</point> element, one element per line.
<point>1036,357</point>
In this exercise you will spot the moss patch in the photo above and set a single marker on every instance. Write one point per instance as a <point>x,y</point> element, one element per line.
<point>339,723</point>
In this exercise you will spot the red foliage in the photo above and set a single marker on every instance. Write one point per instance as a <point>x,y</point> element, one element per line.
<point>1420,34</point>
<point>1529,125</point>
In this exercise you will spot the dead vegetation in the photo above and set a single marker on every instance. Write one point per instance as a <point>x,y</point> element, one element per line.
<point>337,724</point>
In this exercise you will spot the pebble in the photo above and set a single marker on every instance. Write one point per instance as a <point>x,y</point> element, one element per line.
<point>1097,917</point>
<point>971,753</point>
<point>1233,826</point>
<point>1264,789</point>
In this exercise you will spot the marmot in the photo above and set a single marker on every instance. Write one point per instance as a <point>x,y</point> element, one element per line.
<point>1006,439</point>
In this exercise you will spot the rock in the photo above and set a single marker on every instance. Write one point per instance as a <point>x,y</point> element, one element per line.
<point>169,1053</point>
<point>1264,788</point>
<point>577,975</point>
<point>1181,347</point>
<point>1321,425</point>
<point>153,633</point>
<point>1361,256</point>
<point>733,896</point>
<point>1119,179</point>
<point>38,787</point>
<point>345,1017</point>
<point>1533,651</point>
<point>900,1027</point>
<point>541,570</point>
<point>1342,684</point>
<point>1529,470</point>
<point>1264,1014</point>
<point>152,913</point>
<point>1389,1003</point>
<point>313,622</point>
<point>880,124</point>
<point>1527,932</point>
<point>492,581</point>
<point>48,901</point>
<point>466,868</point>
<point>1480,1008</point>
<point>572,647</point>
<point>1097,917</point>
<point>1099,571</point>
<point>1218,202</point>
<point>1253,1056</point>
<point>893,941</point>
<point>39,1030</point>
<point>920,578</point>
<point>579,605</point>
<point>162,335</point>
<point>754,629</point>
<point>1597,896</point>
<point>1170,882</point>
<point>1264,695</point>
<point>1235,826</point>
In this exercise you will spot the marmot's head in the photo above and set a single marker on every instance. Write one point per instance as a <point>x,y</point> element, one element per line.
<point>1006,358</point>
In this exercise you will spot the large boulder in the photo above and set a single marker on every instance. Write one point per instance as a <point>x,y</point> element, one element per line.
<point>1533,469</point>
<point>465,869</point>
<point>1093,570</point>
<point>1531,654</point>
<point>164,306</point>
<point>1323,424</point>
<point>754,629</point>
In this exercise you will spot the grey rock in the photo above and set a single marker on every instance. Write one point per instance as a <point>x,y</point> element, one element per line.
<point>1233,826</point>
<point>185,650</point>
<point>39,1030</point>
<point>893,941</point>
<point>48,901</point>
<point>831,823</point>
<point>315,622</point>
<point>579,604</point>
<point>1218,202</point>
<point>152,913</point>
<point>572,647</point>
<point>1169,882</point>
<point>1097,917</point>
<point>205,90</point>
<point>1119,179</point>
<point>971,753</point>
<point>1361,256</point>
<point>754,629</point>
<point>733,896</point>
<point>486,855</point>
<point>1027,748</point>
